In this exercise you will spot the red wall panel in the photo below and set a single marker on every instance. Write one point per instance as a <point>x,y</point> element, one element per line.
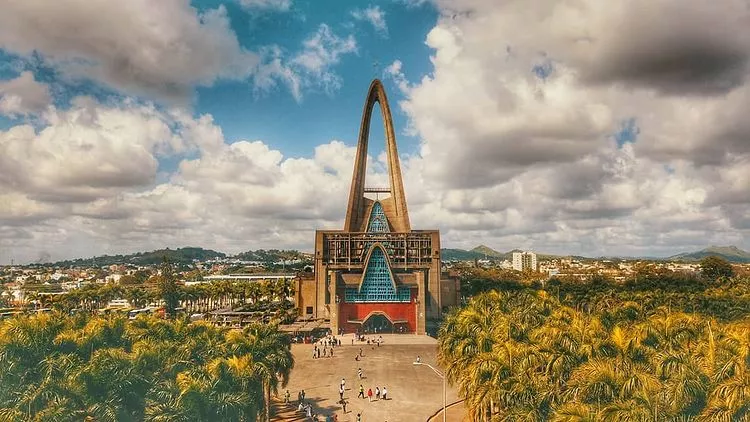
<point>360,311</point>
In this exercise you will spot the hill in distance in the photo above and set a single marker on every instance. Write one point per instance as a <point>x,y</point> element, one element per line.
<point>273,255</point>
<point>178,256</point>
<point>730,253</point>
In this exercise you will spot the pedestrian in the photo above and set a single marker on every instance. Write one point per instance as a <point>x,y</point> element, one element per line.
<point>359,417</point>
<point>359,372</point>
<point>299,397</point>
<point>369,394</point>
<point>343,384</point>
<point>360,351</point>
<point>377,393</point>
<point>419,359</point>
<point>286,397</point>
<point>385,393</point>
<point>361,391</point>
<point>341,393</point>
<point>303,395</point>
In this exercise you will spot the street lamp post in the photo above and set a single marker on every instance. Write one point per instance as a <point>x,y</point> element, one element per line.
<point>442,376</point>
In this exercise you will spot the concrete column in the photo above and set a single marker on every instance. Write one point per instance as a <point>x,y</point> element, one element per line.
<point>420,305</point>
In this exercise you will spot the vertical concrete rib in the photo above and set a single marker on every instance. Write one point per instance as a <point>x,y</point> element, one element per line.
<point>355,213</point>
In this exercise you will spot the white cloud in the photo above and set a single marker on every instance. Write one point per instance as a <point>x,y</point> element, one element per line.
<point>323,50</point>
<point>23,95</point>
<point>507,158</point>
<point>280,5</point>
<point>160,54</point>
<point>310,68</point>
<point>375,16</point>
<point>510,158</point>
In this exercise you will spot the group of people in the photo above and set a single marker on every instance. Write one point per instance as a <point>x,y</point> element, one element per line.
<point>379,394</point>
<point>307,409</point>
<point>327,345</point>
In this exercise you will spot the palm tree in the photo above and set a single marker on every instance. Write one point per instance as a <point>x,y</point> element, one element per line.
<point>271,355</point>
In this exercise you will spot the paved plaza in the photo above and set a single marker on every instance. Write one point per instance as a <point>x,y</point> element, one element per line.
<point>414,392</point>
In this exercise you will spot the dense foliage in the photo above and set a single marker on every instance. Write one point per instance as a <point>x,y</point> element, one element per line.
<point>264,294</point>
<point>521,355</point>
<point>57,368</point>
<point>651,287</point>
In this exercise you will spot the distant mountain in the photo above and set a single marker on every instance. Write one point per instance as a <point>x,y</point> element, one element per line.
<point>273,255</point>
<point>177,256</point>
<point>485,252</point>
<point>730,253</point>
<point>459,255</point>
<point>488,252</point>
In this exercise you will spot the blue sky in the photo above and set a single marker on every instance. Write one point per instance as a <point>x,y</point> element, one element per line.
<point>562,127</point>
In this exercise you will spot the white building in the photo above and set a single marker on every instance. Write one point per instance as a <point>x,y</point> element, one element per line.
<point>523,261</point>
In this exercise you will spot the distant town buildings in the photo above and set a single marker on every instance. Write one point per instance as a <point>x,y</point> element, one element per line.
<point>524,261</point>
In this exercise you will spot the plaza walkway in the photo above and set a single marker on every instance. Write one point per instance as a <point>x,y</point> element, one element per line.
<point>414,392</point>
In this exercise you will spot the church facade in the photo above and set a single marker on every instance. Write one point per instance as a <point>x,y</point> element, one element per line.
<point>377,274</point>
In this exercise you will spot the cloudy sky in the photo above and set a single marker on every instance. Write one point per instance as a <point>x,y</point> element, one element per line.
<point>576,126</point>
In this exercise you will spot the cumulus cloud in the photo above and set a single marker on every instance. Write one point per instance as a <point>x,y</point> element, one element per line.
<point>160,54</point>
<point>375,16</point>
<point>311,67</point>
<point>23,96</point>
<point>532,135</point>
<point>89,176</point>
<point>522,118</point>
<point>279,5</point>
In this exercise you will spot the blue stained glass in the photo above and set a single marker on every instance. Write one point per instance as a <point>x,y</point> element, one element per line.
<point>378,285</point>
<point>378,223</point>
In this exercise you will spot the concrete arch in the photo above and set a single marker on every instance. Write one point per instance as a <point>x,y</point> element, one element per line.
<point>397,213</point>
<point>377,245</point>
<point>373,313</point>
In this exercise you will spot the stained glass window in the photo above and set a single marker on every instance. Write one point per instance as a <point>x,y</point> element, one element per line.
<point>377,285</point>
<point>378,223</point>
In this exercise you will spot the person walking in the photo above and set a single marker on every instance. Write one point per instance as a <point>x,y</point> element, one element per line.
<point>361,391</point>
<point>343,384</point>
<point>341,393</point>
<point>385,393</point>
<point>286,397</point>
<point>359,417</point>
<point>369,395</point>
<point>377,393</point>
<point>303,395</point>
<point>359,372</point>
<point>299,397</point>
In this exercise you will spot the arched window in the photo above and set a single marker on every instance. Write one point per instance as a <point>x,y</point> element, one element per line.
<point>378,284</point>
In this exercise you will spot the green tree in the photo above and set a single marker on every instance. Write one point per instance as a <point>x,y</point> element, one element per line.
<point>714,267</point>
<point>168,289</point>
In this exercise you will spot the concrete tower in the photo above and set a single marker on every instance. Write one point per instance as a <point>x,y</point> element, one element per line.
<point>377,273</point>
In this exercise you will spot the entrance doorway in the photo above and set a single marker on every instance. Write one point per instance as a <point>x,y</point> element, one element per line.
<point>378,323</point>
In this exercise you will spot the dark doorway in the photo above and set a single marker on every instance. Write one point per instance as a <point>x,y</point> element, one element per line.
<point>377,324</point>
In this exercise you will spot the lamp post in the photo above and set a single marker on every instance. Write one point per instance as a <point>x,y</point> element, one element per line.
<point>442,376</point>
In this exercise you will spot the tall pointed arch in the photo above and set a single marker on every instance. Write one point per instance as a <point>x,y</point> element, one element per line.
<point>398,214</point>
